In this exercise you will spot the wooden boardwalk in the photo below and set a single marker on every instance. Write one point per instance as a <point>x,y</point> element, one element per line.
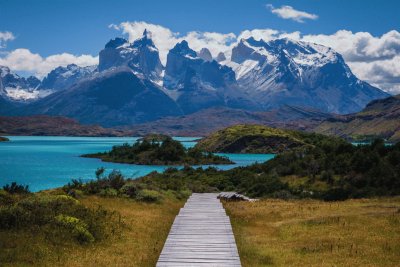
<point>200,236</point>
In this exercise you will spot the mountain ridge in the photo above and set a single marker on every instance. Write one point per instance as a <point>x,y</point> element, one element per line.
<point>379,119</point>
<point>258,76</point>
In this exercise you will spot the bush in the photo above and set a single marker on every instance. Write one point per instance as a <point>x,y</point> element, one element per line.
<point>43,211</point>
<point>15,188</point>
<point>336,194</point>
<point>130,189</point>
<point>148,196</point>
<point>108,192</point>
<point>5,198</point>
<point>78,228</point>
<point>115,180</point>
<point>183,194</point>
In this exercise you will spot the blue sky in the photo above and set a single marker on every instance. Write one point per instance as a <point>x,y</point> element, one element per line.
<point>53,27</point>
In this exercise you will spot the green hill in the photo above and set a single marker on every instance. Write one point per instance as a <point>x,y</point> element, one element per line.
<point>256,139</point>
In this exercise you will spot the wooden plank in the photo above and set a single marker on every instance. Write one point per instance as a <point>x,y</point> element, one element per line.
<point>201,235</point>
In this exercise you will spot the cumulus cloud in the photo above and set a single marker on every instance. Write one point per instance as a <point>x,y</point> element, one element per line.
<point>24,60</point>
<point>384,74</point>
<point>288,12</point>
<point>5,37</point>
<point>360,46</point>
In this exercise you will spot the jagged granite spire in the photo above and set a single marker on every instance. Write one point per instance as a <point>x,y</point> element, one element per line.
<point>141,56</point>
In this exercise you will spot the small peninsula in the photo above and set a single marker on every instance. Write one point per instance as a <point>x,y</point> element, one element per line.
<point>166,152</point>
<point>4,139</point>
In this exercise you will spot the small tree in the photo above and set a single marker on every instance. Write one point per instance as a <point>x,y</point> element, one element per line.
<point>99,172</point>
<point>15,188</point>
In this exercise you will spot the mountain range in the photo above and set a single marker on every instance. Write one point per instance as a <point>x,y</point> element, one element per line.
<point>131,86</point>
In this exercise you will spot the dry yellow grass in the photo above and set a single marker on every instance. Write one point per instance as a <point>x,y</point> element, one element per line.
<point>146,227</point>
<point>313,233</point>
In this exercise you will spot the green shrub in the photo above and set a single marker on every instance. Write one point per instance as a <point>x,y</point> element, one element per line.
<point>42,211</point>
<point>5,198</point>
<point>183,194</point>
<point>78,228</point>
<point>148,196</point>
<point>15,188</point>
<point>12,217</point>
<point>108,192</point>
<point>130,189</point>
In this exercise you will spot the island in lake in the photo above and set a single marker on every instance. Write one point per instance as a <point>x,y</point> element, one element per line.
<point>4,139</point>
<point>154,152</point>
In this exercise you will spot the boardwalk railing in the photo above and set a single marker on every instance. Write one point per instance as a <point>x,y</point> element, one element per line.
<point>200,236</point>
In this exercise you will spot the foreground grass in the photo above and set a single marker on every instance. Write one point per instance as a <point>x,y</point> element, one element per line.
<point>313,233</point>
<point>138,243</point>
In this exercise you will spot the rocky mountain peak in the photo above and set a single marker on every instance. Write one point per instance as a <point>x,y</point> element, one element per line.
<point>285,71</point>
<point>114,43</point>
<point>145,40</point>
<point>62,78</point>
<point>183,49</point>
<point>141,56</point>
<point>220,57</point>
<point>205,54</point>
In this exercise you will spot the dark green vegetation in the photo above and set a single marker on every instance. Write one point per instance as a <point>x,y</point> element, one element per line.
<point>331,169</point>
<point>4,139</point>
<point>15,188</point>
<point>154,137</point>
<point>380,118</point>
<point>324,168</point>
<point>257,139</point>
<point>168,152</point>
<point>116,185</point>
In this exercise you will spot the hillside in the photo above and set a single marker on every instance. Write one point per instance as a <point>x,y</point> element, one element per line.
<point>52,126</point>
<point>380,118</point>
<point>206,121</point>
<point>255,139</point>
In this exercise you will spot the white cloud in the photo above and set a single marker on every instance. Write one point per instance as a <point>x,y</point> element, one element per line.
<point>24,60</point>
<point>5,37</point>
<point>288,12</point>
<point>360,46</point>
<point>384,74</point>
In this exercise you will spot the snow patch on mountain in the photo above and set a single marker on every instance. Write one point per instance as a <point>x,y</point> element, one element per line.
<point>21,94</point>
<point>243,68</point>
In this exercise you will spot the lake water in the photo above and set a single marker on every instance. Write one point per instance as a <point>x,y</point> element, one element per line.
<point>44,162</point>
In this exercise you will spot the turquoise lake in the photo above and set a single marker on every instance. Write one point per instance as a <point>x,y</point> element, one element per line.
<point>45,162</point>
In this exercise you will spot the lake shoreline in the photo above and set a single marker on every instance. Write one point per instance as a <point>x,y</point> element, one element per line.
<point>48,162</point>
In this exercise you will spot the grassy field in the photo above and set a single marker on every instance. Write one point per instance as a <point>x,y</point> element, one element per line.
<point>138,242</point>
<point>313,233</point>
